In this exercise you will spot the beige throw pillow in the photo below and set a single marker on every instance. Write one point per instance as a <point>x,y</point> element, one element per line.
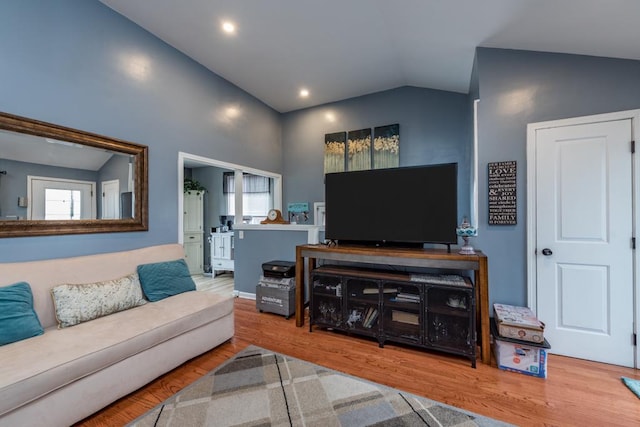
<point>77,303</point>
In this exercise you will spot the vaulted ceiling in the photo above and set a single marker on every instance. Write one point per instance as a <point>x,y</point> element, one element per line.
<point>338,49</point>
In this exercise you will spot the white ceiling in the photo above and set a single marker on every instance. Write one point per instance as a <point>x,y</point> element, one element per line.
<point>340,49</point>
<point>45,151</point>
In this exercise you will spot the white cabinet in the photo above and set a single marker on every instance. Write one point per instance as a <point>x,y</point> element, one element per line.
<point>193,252</point>
<point>193,231</point>
<point>193,212</point>
<point>221,252</point>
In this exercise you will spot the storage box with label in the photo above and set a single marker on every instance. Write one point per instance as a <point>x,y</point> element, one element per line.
<point>276,295</point>
<point>520,356</point>
<point>519,323</point>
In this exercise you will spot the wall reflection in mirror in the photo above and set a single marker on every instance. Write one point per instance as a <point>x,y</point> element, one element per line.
<point>56,180</point>
<point>48,179</point>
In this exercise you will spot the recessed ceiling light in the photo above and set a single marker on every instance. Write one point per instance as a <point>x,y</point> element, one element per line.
<point>304,93</point>
<point>228,27</point>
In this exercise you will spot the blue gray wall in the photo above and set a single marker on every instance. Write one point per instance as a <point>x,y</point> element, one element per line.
<point>434,128</point>
<point>259,246</point>
<point>79,64</point>
<point>521,87</point>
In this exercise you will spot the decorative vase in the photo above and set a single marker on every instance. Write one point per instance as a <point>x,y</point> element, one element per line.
<point>465,230</point>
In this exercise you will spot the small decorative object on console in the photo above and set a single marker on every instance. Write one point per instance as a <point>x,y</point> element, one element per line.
<point>274,217</point>
<point>298,212</point>
<point>465,230</point>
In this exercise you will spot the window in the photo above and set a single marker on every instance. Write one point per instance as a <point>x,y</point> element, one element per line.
<point>62,204</point>
<point>257,197</point>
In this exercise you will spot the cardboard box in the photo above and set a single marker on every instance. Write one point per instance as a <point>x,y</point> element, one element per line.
<point>520,356</point>
<point>518,323</point>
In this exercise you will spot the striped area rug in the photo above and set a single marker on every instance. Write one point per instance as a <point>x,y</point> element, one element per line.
<point>258,387</point>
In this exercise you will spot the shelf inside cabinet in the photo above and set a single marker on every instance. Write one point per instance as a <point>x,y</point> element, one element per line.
<point>402,295</point>
<point>444,297</point>
<point>457,312</point>
<point>327,285</point>
<point>363,317</point>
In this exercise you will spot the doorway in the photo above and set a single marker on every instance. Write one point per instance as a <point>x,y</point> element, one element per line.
<point>581,223</point>
<point>60,199</point>
<point>110,199</point>
<point>186,160</point>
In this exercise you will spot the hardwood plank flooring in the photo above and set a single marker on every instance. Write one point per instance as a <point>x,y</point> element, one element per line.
<point>577,392</point>
<point>222,283</point>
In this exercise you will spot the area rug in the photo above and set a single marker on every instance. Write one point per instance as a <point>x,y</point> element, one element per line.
<point>258,387</point>
<point>633,385</point>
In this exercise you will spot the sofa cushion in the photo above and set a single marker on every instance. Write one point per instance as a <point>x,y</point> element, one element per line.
<point>42,275</point>
<point>35,367</point>
<point>164,279</point>
<point>18,320</point>
<point>77,303</point>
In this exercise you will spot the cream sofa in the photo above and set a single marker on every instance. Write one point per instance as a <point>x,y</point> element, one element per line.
<point>64,375</point>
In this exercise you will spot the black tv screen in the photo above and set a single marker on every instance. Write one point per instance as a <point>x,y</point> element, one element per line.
<point>412,205</point>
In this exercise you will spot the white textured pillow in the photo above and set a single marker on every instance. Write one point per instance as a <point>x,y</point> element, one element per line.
<point>82,302</point>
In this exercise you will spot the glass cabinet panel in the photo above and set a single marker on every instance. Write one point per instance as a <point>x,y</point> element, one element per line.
<point>402,312</point>
<point>449,317</point>
<point>363,305</point>
<point>327,300</point>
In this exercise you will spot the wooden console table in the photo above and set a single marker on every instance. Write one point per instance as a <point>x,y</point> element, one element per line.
<point>406,257</point>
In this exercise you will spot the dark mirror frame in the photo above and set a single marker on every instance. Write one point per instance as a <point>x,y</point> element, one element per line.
<point>140,220</point>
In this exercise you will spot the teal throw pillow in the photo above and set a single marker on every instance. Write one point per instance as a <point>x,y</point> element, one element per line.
<point>164,279</point>
<point>18,320</point>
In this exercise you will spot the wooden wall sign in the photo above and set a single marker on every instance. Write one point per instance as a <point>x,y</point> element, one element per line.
<point>502,193</point>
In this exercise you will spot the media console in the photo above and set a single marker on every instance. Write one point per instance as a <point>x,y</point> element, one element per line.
<point>404,257</point>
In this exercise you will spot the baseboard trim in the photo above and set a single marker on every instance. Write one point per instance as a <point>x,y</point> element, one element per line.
<point>245,295</point>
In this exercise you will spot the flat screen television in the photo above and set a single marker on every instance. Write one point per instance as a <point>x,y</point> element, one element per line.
<point>398,206</point>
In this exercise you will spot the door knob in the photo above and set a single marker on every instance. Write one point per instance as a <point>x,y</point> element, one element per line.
<point>547,252</point>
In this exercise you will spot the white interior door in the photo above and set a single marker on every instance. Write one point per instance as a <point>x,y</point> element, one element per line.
<point>584,229</point>
<point>111,199</point>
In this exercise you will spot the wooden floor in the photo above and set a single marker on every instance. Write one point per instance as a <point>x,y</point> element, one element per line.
<point>577,392</point>
<point>222,283</point>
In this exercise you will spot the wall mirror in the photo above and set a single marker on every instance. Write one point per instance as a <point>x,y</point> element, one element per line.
<point>57,180</point>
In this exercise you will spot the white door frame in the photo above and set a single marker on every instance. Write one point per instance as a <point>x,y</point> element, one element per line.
<point>532,128</point>
<point>239,169</point>
<point>31,196</point>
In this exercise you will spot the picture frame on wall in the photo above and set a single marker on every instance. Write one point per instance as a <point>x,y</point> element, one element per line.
<point>386,146</point>
<point>359,150</point>
<point>335,152</point>
<point>502,194</point>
